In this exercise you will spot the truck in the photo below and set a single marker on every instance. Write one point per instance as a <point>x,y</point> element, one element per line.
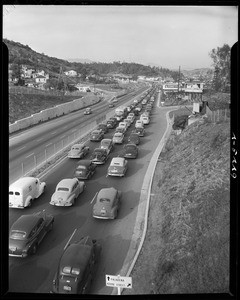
<point>121,112</point>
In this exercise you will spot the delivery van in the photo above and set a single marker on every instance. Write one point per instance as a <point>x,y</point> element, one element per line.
<point>23,191</point>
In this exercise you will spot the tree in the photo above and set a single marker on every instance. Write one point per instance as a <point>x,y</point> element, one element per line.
<point>221,62</point>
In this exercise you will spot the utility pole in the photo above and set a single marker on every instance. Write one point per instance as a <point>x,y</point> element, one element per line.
<point>178,81</point>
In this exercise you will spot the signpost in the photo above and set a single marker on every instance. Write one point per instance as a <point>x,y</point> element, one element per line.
<point>119,282</point>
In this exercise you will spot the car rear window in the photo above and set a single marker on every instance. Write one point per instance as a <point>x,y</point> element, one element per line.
<point>69,270</point>
<point>16,234</point>
<point>104,200</point>
<point>10,193</point>
<point>63,189</point>
<point>81,168</point>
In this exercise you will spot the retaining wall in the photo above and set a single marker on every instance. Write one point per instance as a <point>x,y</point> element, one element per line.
<point>53,112</point>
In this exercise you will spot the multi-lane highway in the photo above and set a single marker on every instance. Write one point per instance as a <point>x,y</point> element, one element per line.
<point>53,135</point>
<point>35,273</point>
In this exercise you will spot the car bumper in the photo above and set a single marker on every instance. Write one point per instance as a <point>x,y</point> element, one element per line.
<point>18,255</point>
<point>115,174</point>
<point>102,217</point>
<point>98,162</point>
<point>60,204</point>
<point>74,156</point>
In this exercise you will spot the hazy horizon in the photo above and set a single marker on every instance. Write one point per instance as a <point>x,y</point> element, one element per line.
<point>167,36</point>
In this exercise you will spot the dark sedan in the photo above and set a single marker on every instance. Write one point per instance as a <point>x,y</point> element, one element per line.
<point>27,232</point>
<point>103,127</point>
<point>99,156</point>
<point>85,169</point>
<point>140,131</point>
<point>130,151</point>
<point>96,136</point>
<point>77,266</point>
<point>134,138</point>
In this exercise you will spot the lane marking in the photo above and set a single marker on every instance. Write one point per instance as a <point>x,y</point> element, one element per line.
<point>29,155</point>
<point>69,239</point>
<point>48,145</point>
<point>65,127</point>
<point>93,198</point>
<point>74,130</point>
<point>21,148</point>
<point>39,139</point>
<point>53,132</point>
<point>62,136</point>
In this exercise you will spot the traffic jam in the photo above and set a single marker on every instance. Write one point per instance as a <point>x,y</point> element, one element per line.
<point>77,264</point>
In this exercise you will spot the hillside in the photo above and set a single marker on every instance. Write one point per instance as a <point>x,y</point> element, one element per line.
<point>23,54</point>
<point>186,249</point>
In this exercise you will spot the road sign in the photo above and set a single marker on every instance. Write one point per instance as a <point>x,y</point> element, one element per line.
<point>119,281</point>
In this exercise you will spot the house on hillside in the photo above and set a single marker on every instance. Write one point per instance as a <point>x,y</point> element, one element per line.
<point>40,79</point>
<point>71,73</point>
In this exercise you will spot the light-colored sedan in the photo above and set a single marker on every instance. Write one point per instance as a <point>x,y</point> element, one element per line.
<point>67,191</point>
<point>118,167</point>
<point>118,138</point>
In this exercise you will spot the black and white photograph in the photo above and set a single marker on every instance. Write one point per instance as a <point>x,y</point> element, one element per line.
<point>122,150</point>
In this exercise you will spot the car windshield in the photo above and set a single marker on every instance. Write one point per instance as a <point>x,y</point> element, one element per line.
<point>16,234</point>
<point>63,189</point>
<point>98,153</point>
<point>75,148</point>
<point>105,143</point>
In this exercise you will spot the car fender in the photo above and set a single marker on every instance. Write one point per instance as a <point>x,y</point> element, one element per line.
<point>28,199</point>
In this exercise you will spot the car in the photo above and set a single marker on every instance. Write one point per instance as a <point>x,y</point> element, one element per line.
<point>24,191</point>
<point>118,138</point>
<point>139,107</point>
<point>111,124</point>
<point>114,119</point>
<point>107,203</point>
<point>107,144</point>
<point>144,101</point>
<point>136,112</point>
<point>96,135</point>
<point>115,100</point>
<point>128,108</point>
<point>135,101</point>
<point>88,111</point>
<point>102,127</point>
<point>123,125</point>
<point>145,120</point>
<point>130,151</point>
<point>140,131</point>
<point>128,122</point>
<point>145,114</point>
<point>131,119</point>
<point>110,105</point>
<point>78,151</point>
<point>27,232</point>
<point>85,169</point>
<point>120,129</point>
<point>67,192</point>
<point>99,156</point>
<point>134,138</point>
<point>131,114</point>
<point>139,123</point>
<point>77,266</point>
<point>117,167</point>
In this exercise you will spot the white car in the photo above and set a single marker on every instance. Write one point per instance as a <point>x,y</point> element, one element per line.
<point>123,125</point>
<point>118,138</point>
<point>23,191</point>
<point>67,191</point>
<point>139,123</point>
<point>145,120</point>
<point>118,167</point>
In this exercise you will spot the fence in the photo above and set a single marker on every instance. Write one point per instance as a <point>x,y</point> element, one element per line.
<point>219,115</point>
<point>29,90</point>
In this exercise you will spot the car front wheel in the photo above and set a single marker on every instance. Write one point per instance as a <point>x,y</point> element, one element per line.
<point>34,249</point>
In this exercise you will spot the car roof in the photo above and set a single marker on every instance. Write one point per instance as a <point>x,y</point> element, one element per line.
<point>99,150</point>
<point>68,182</point>
<point>22,181</point>
<point>106,140</point>
<point>78,145</point>
<point>26,222</point>
<point>130,145</point>
<point>118,134</point>
<point>84,162</point>
<point>117,160</point>
<point>96,131</point>
<point>109,193</point>
<point>77,255</point>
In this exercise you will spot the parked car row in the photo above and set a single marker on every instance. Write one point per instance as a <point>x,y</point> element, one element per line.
<point>77,263</point>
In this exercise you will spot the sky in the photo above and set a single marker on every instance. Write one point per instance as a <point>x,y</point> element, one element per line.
<point>167,36</point>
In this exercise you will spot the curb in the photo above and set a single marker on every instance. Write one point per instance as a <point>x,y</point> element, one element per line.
<point>140,228</point>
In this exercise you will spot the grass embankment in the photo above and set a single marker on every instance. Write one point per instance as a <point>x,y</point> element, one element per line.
<point>186,249</point>
<point>24,105</point>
